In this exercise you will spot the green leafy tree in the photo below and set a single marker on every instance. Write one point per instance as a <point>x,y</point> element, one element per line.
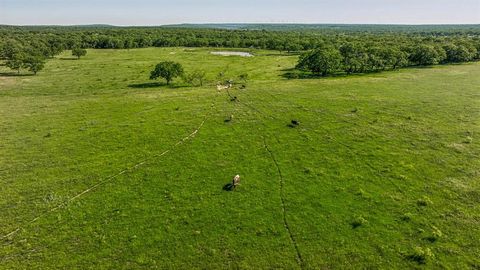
<point>15,61</point>
<point>354,57</point>
<point>425,55</point>
<point>11,49</point>
<point>34,63</point>
<point>79,52</point>
<point>397,58</point>
<point>322,61</point>
<point>476,46</point>
<point>293,46</point>
<point>376,59</point>
<point>55,47</point>
<point>167,70</point>
<point>458,53</point>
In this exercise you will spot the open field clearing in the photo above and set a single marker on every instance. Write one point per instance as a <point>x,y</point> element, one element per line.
<point>101,168</point>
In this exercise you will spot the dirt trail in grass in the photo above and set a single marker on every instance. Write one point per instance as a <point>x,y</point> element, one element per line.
<point>284,210</point>
<point>293,241</point>
<point>112,177</point>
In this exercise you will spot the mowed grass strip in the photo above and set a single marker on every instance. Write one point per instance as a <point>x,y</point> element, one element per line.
<point>382,171</point>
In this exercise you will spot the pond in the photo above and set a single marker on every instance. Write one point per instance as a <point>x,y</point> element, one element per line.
<point>243,54</point>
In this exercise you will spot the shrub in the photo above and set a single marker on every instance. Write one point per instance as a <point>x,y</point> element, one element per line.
<point>196,78</point>
<point>425,201</point>
<point>406,217</point>
<point>420,255</point>
<point>436,234</point>
<point>358,221</point>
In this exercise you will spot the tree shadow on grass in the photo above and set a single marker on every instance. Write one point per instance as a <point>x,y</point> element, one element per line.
<point>68,58</point>
<point>153,85</point>
<point>293,73</point>
<point>282,54</point>
<point>15,74</point>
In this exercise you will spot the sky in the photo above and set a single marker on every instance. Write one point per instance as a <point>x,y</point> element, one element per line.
<point>160,12</point>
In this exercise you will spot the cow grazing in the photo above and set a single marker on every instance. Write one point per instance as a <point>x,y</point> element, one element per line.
<point>236,181</point>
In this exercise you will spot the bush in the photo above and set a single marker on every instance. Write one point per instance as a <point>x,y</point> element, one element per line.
<point>420,255</point>
<point>425,201</point>
<point>436,234</point>
<point>407,217</point>
<point>196,78</point>
<point>358,221</point>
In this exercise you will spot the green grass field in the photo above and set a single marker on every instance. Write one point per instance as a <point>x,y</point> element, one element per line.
<point>383,171</point>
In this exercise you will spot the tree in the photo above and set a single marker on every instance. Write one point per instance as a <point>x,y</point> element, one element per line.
<point>397,58</point>
<point>476,46</point>
<point>321,61</point>
<point>376,59</point>
<point>424,55</point>
<point>354,57</point>
<point>79,52</point>
<point>457,54</point>
<point>11,49</point>
<point>293,46</point>
<point>55,47</point>
<point>34,64</point>
<point>15,61</point>
<point>167,70</point>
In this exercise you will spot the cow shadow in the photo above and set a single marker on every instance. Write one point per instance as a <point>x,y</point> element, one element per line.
<point>229,187</point>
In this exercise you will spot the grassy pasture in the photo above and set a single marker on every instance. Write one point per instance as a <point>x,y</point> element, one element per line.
<point>382,172</point>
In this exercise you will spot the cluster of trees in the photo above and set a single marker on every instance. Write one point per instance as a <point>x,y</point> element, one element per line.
<point>170,70</point>
<point>358,57</point>
<point>17,56</point>
<point>31,54</point>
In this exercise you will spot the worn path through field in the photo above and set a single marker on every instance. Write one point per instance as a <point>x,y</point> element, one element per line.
<point>112,177</point>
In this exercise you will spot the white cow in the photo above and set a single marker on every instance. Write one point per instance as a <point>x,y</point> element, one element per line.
<point>236,181</point>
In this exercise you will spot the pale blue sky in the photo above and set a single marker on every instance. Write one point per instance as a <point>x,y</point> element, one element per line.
<point>151,12</point>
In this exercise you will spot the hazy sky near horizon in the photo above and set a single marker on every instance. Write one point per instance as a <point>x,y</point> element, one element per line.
<point>151,12</point>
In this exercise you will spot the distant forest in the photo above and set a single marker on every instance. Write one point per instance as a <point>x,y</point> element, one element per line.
<point>326,49</point>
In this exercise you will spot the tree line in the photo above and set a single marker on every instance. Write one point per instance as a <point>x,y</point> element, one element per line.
<point>19,52</point>
<point>362,50</point>
<point>358,57</point>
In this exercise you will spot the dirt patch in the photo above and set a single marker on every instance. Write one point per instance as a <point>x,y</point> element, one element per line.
<point>224,86</point>
<point>6,81</point>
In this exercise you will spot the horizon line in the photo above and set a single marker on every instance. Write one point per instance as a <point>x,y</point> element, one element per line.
<point>246,23</point>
